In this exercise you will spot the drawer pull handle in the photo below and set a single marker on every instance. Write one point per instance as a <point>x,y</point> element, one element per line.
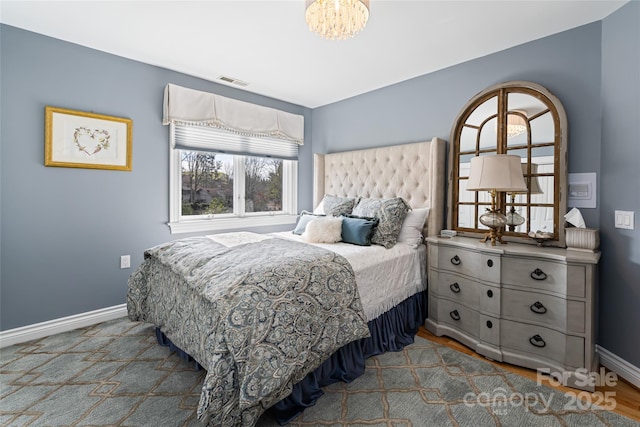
<point>538,274</point>
<point>455,260</point>
<point>455,288</point>
<point>538,308</point>
<point>455,315</point>
<point>490,293</point>
<point>489,324</point>
<point>490,263</point>
<point>537,341</point>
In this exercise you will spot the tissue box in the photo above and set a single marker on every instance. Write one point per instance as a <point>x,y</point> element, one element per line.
<point>582,239</point>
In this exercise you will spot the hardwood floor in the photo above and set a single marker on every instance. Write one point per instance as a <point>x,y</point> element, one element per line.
<point>627,397</point>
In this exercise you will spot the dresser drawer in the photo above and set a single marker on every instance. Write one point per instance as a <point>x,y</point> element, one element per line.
<point>481,266</point>
<point>567,350</point>
<point>458,316</point>
<point>475,295</point>
<point>456,287</point>
<point>538,274</point>
<point>544,309</point>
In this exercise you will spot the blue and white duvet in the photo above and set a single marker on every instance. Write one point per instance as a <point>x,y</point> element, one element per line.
<point>258,316</point>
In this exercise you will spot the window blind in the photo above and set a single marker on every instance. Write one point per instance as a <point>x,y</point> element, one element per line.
<point>208,138</point>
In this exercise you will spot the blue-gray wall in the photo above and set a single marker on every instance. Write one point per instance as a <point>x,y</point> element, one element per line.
<point>594,72</point>
<point>620,183</point>
<point>63,229</point>
<point>568,64</point>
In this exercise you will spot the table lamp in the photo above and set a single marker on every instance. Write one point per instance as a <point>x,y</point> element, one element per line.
<point>514,219</point>
<point>496,173</point>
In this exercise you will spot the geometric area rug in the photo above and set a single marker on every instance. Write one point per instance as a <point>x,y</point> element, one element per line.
<point>115,374</point>
<point>428,384</point>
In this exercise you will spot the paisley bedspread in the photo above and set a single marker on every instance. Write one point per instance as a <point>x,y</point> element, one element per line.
<point>258,316</point>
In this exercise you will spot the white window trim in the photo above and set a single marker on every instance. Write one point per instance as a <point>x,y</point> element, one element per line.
<point>237,220</point>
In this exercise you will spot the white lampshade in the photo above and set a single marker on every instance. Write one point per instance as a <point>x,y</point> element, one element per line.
<point>501,172</point>
<point>535,183</point>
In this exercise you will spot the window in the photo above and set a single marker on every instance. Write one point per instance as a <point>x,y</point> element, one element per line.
<point>221,180</point>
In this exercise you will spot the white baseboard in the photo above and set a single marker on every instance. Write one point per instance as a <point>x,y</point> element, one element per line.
<point>620,366</point>
<point>64,324</point>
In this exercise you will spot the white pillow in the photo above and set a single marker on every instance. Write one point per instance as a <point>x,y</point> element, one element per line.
<point>319,210</point>
<point>323,230</point>
<point>411,231</point>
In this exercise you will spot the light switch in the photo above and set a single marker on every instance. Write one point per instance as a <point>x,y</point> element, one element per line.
<point>624,219</point>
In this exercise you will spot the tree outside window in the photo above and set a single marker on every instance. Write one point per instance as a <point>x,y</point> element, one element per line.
<point>208,183</point>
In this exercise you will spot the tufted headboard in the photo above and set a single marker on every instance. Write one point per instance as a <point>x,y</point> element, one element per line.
<point>415,172</point>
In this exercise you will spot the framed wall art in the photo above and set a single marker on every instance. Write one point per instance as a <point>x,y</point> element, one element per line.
<point>78,139</point>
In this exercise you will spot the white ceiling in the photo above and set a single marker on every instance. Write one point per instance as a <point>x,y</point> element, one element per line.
<point>267,43</point>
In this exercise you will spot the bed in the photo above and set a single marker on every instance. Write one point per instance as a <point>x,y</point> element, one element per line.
<point>277,328</point>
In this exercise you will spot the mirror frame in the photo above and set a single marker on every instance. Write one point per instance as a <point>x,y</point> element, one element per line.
<point>559,116</point>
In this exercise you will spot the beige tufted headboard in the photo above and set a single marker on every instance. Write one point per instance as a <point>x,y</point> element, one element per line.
<point>415,172</point>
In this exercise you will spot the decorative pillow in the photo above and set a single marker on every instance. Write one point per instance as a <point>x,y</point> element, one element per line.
<point>303,220</point>
<point>390,212</point>
<point>336,206</point>
<point>319,210</point>
<point>411,231</point>
<point>323,230</point>
<point>358,230</point>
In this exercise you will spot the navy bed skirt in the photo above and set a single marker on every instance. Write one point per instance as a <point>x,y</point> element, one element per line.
<point>391,331</point>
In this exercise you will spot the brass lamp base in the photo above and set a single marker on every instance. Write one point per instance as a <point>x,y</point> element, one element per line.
<point>493,235</point>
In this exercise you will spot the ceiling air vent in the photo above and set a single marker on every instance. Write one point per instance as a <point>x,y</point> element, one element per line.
<point>233,81</point>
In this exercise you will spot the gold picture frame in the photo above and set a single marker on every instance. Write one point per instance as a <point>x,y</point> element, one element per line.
<point>79,139</point>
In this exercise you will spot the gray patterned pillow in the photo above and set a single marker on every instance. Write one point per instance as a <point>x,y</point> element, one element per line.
<point>390,212</point>
<point>337,206</point>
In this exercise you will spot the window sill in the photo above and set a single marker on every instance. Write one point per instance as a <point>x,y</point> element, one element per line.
<point>221,224</point>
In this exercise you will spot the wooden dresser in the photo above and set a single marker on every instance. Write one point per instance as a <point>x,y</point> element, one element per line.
<point>517,303</point>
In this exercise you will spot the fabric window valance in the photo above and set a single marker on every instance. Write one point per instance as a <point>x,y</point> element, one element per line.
<point>184,106</point>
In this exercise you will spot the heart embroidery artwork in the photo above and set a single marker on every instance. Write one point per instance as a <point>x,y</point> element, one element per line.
<point>90,141</point>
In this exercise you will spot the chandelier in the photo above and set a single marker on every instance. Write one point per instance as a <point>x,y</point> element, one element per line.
<point>336,19</point>
<point>516,125</point>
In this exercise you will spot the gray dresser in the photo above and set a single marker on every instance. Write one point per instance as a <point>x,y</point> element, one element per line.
<point>517,303</point>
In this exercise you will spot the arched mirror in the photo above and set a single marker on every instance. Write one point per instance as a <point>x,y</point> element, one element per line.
<point>524,119</point>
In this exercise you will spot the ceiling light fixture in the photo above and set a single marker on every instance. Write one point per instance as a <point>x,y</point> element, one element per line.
<point>336,19</point>
<point>516,125</point>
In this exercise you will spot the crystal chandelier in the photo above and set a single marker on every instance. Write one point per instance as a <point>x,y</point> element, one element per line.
<point>516,125</point>
<point>336,19</point>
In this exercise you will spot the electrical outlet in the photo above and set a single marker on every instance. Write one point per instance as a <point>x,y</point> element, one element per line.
<point>125,261</point>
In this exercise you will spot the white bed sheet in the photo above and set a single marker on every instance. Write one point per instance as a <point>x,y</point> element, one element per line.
<point>385,277</point>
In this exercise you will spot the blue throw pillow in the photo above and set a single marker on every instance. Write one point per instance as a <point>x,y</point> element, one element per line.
<point>358,230</point>
<point>305,218</point>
